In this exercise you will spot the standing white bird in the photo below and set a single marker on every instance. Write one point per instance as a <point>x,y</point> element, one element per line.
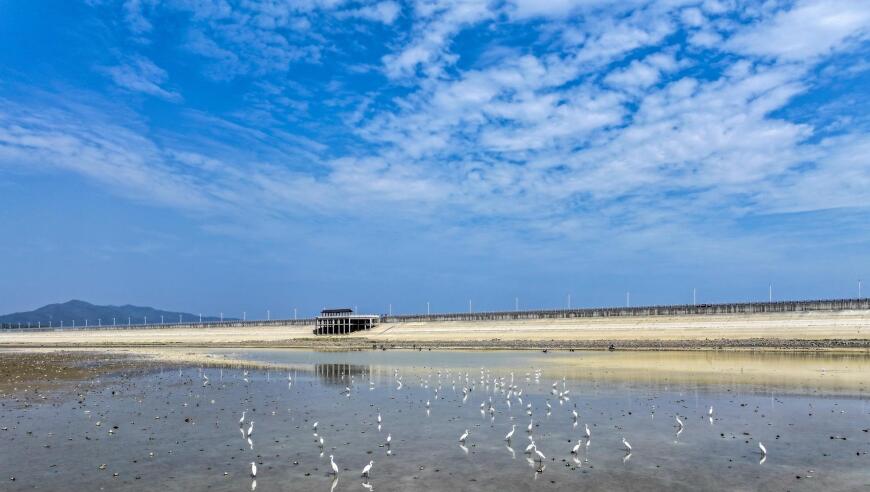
<point>576,447</point>
<point>251,429</point>
<point>367,469</point>
<point>334,466</point>
<point>575,414</point>
<point>710,411</point>
<point>253,470</point>
<point>321,441</point>
<point>588,434</point>
<point>314,426</point>
<point>762,448</point>
<point>626,444</point>
<point>511,433</point>
<point>679,422</point>
<point>539,456</point>
<point>463,437</point>
<point>530,427</point>
<point>389,438</point>
<point>530,447</point>
<point>242,420</point>
<point>379,417</point>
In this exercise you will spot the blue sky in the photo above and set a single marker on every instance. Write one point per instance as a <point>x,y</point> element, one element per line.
<point>209,155</point>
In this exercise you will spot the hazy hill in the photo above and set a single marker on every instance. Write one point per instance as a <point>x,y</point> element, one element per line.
<point>81,311</point>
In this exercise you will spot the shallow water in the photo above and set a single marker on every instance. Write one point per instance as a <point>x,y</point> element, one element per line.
<point>174,432</point>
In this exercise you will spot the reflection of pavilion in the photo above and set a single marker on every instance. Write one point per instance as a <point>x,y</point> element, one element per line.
<point>338,374</point>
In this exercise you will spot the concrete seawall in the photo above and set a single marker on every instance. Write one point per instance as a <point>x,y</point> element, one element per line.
<point>828,305</point>
<point>667,310</point>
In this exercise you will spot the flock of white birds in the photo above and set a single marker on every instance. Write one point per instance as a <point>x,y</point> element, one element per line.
<point>462,383</point>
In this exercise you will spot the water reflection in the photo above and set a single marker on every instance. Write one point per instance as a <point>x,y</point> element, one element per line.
<point>339,374</point>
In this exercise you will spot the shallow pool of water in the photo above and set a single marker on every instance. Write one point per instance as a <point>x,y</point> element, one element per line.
<point>177,428</point>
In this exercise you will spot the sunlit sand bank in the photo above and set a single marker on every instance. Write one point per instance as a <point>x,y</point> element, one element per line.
<point>811,330</point>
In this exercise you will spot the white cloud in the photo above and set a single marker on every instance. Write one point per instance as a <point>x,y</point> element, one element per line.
<point>436,22</point>
<point>140,74</point>
<point>385,12</point>
<point>692,17</point>
<point>810,29</point>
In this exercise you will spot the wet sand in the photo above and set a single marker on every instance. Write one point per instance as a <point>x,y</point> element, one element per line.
<point>172,424</point>
<point>809,330</point>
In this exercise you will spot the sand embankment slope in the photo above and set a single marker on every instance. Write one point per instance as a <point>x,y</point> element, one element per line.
<point>806,325</point>
<point>849,329</point>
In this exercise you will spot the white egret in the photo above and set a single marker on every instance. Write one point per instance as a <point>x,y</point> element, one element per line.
<point>253,470</point>
<point>367,469</point>
<point>576,448</point>
<point>314,426</point>
<point>464,436</point>
<point>389,438</point>
<point>679,422</point>
<point>710,411</point>
<point>539,456</point>
<point>588,434</point>
<point>511,433</point>
<point>334,466</point>
<point>242,420</point>
<point>530,447</point>
<point>530,427</point>
<point>762,448</point>
<point>251,429</point>
<point>626,444</point>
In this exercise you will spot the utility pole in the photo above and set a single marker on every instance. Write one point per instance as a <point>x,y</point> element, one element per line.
<point>427,308</point>
<point>294,313</point>
<point>469,305</point>
<point>268,315</point>
<point>569,301</point>
<point>770,292</point>
<point>244,316</point>
<point>516,303</point>
<point>694,297</point>
<point>859,289</point>
<point>390,310</point>
<point>628,299</point>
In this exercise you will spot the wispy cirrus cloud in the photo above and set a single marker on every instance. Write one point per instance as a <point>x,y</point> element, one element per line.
<point>139,74</point>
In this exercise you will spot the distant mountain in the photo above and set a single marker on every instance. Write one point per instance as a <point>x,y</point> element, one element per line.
<point>80,311</point>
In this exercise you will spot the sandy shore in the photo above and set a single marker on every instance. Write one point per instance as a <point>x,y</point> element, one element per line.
<point>809,330</point>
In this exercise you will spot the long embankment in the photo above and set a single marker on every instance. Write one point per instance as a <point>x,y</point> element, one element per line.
<point>842,324</point>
